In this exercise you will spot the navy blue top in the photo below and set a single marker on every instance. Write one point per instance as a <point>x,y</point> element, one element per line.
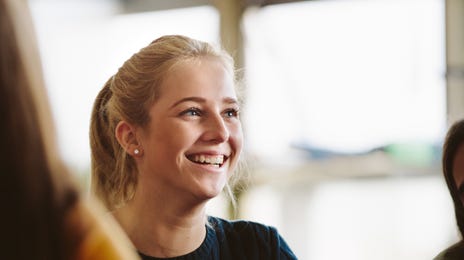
<point>237,240</point>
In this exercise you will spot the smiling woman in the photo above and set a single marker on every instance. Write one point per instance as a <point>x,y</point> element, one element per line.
<point>166,138</point>
<point>191,128</point>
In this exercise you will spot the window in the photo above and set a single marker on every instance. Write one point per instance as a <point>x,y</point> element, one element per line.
<point>344,75</point>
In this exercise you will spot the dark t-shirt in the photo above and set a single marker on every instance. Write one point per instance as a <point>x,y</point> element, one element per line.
<point>238,240</point>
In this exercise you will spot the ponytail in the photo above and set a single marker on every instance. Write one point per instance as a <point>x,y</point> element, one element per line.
<point>113,177</point>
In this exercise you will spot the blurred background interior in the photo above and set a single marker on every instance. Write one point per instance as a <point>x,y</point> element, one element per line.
<point>347,105</point>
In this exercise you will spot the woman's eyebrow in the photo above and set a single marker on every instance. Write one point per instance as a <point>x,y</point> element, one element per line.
<point>228,100</point>
<point>187,99</point>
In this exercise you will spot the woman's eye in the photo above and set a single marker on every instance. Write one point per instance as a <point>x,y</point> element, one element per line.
<point>191,112</point>
<point>231,113</point>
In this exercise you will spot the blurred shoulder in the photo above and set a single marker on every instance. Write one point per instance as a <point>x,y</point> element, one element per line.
<point>101,236</point>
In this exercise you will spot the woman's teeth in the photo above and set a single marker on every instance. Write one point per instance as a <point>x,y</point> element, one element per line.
<point>206,159</point>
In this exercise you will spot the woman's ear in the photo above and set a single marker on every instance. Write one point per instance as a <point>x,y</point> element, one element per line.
<point>126,135</point>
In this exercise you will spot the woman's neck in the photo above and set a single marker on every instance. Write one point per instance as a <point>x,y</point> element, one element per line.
<point>163,226</point>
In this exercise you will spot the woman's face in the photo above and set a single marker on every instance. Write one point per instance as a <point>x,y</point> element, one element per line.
<point>458,171</point>
<point>193,141</point>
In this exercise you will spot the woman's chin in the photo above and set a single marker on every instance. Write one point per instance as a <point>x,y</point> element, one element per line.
<point>210,192</point>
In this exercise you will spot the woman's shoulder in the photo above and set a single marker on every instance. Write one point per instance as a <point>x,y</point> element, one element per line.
<point>101,236</point>
<point>253,238</point>
<point>242,227</point>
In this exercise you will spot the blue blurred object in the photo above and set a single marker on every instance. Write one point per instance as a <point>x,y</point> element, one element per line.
<point>408,153</point>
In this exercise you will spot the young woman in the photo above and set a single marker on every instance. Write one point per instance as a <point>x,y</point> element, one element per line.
<point>165,138</point>
<point>43,213</point>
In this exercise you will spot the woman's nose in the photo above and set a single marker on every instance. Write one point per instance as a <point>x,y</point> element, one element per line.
<point>216,130</point>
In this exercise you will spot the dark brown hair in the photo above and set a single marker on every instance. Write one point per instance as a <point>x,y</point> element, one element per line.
<point>454,139</point>
<point>36,189</point>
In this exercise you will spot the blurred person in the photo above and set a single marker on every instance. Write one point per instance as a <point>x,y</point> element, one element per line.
<point>166,138</point>
<point>453,170</point>
<point>44,216</point>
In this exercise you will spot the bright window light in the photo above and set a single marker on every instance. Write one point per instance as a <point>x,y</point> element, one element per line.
<point>344,75</point>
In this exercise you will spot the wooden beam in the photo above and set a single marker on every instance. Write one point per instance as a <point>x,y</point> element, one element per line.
<point>454,11</point>
<point>137,6</point>
<point>231,13</point>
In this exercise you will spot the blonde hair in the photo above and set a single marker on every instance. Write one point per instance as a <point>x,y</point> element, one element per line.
<point>128,95</point>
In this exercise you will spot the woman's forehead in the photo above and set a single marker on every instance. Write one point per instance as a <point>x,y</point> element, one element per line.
<point>197,76</point>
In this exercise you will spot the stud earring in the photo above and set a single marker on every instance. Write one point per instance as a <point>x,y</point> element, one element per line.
<point>136,151</point>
